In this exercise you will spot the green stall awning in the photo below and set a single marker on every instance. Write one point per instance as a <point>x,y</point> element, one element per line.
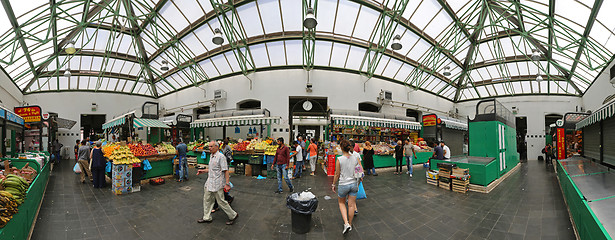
<point>236,121</point>
<point>606,111</point>
<point>374,122</point>
<point>153,123</point>
<point>114,122</point>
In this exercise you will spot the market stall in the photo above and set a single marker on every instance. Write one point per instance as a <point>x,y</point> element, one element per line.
<point>180,128</point>
<point>40,128</point>
<point>11,133</point>
<point>377,129</point>
<point>22,210</point>
<point>569,140</point>
<point>598,130</point>
<point>136,125</point>
<point>450,130</point>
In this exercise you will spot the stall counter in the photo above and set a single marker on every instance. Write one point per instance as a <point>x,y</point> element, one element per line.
<point>482,170</point>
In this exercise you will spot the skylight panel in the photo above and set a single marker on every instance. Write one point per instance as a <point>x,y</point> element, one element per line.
<point>270,12</point>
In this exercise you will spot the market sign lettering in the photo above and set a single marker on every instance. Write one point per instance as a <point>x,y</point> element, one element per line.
<point>30,113</point>
<point>14,118</point>
<point>429,120</point>
<point>2,113</point>
<point>561,142</point>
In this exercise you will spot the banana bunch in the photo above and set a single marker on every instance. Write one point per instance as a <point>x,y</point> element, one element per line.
<point>16,186</point>
<point>8,207</point>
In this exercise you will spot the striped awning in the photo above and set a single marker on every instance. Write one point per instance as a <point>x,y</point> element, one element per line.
<point>604,112</point>
<point>115,122</point>
<point>374,122</point>
<point>236,121</point>
<point>454,124</point>
<point>153,123</point>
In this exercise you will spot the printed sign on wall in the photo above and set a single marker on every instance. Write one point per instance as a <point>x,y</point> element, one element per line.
<point>29,114</point>
<point>561,143</point>
<point>429,120</point>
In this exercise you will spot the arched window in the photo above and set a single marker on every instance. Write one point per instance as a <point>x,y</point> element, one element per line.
<point>369,107</point>
<point>249,104</point>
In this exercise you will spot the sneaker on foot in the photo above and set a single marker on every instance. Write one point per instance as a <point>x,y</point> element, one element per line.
<point>356,212</point>
<point>410,174</point>
<point>347,228</point>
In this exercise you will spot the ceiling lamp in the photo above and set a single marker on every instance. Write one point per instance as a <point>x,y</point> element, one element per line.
<point>67,73</point>
<point>217,39</point>
<point>539,78</point>
<point>310,20</point>
<point>165,65</point>
<point>71,48</point>
<point>535,55</point>
<point>396,42</point>
<point>447,71</point>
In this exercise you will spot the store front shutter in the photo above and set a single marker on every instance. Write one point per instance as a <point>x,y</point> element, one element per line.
<point>609,141</point>
<point>591,136</point>
<point>454,140</point>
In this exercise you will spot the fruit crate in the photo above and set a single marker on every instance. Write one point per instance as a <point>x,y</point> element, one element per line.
<point>255,159</point>
<point>432,182</point>
<point>240,169</point>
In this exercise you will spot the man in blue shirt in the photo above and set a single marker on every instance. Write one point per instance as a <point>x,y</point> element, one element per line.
<point>182,149</point>
<point>438,152</point>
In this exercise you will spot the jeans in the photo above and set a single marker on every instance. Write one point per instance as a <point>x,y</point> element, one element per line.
<point>371,171</point>
<point>409,163</point>
<point>283,173</point>
<point>183,168</point>
<point>58,157</point>
<point>299,169</point>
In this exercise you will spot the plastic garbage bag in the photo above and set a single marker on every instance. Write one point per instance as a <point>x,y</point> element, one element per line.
<point>361,194</point>
<point>304,196</point>
<point>304,207</point>
<point>204,155</point>
<point>260,177</point>
<point>76,168</point>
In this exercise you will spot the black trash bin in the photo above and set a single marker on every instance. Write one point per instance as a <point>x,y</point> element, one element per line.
<point>301,213</point>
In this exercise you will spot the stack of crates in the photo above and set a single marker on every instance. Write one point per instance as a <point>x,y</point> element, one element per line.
<point>432,177</point>
<point>460,180</point>
<point>257,163</point>
<point>330,165</point>
<point>444,179</point>
<point>240,168</point>
<point>270,173</point>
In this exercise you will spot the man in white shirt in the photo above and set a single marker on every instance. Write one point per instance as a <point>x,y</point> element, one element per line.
<point>299,163</point>
<point>447,151</point>
<point>217,180</point>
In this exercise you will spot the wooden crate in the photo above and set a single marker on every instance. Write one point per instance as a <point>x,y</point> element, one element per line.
<point>460,171</point>
<point>446,186</point>
<point>432,182</point>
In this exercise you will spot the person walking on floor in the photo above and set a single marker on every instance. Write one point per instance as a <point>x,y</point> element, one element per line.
<point>299,163</point>
<point>348,185</point>
<point>84,161</point>
<point>76,150</point>
<point>98,165</point>
<point>218,179</point>
<point>281,163</point>
<point>227,151</point>
<point>57,149</point>
<point>368,159</point>
<point>408,154</point>
<point>313,153</point>
<point>399,156</point>
<point>182,149</point>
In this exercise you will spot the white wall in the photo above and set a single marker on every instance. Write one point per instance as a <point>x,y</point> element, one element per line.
<point>534,108</point>
<point>10,95</point>
<point>597,92</point>
<point>273,88</point>
<point>70,105</point>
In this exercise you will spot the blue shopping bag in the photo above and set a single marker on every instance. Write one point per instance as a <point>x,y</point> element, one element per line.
<point>361,194</point>
<point>108,167</point>
<point>77,169</point>
<point>147,165</point>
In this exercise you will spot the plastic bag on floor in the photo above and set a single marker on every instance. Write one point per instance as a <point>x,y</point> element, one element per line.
<point>76,168</point>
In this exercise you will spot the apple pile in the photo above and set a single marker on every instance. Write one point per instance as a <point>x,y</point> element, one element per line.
<point>141,150</point>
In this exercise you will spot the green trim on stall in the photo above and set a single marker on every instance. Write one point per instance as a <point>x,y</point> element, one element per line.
<point>159,168</point>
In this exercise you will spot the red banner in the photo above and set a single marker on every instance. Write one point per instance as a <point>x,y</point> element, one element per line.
<point>429,120</point>
<point>29,114</point>
<point>561,143</point>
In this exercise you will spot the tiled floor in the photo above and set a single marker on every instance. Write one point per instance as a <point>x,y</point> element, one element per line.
<point>528,205</point>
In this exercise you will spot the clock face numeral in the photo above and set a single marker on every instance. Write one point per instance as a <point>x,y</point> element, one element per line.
<point>307,105</point>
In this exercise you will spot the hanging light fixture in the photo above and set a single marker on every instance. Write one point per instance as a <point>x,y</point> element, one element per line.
<point>310,20</point>
<point>396,42</point>
<point>165,65</point>
<point>67,73</point>
<point>535,55</point>
<point>70,49</point>
<point>217,39</point>
<point>447,71</point>
<point>539,78</point>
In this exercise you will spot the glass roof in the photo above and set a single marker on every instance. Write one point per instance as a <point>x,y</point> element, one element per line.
<point>487,45</point>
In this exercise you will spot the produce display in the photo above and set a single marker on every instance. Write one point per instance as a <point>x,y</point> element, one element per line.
<point>423,147</point>
<point>241,147</point>
<point>198,145</point>
<point>123,155</point>
<point>109,149</point>
<point>258,145</point>
<point>271,149</point>
<point>384,149</point>
<point>141,150</point>
<point>164,148</point>
<point>27,172</point>
<point>8,207</point>
<point>16,186</point>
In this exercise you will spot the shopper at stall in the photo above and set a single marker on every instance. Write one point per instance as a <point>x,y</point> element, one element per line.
<point>299,163</point>
<point>281,163</point>
<point>57,149</point>
<point>438,152</point>
<point>227,151</point>
<point>313,153</point>
<point>218,179</point>
<point>347,184</point>
<point>408,154</point>
<point>447,151</point>
<point>84,161</point>
<point>98,165</point>
<point>182,149</point>
<point>368,159</point>
<point>76,150</point>
<point>399,155</point>
<point>303,144</point>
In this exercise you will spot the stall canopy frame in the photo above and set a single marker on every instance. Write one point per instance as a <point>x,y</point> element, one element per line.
<point>152,123</point>
<point>236,121</point>
<point>606,111</point>
<point>374,122</point>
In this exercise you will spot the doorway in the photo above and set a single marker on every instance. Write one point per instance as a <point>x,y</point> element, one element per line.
<point>521,123</point>
<point>310,131</point>
<point>91,126</point>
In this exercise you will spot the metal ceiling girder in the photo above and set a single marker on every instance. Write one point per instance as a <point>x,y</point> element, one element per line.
<point>153,14</point>
<point>520,78</point>
<point>237,39</point>
<point>84,20</point>
<point>54,29</point>
<point>309,35</point>
<point>13,20</point>
<point>452,15</point>
<point>550,39</point>
<point>513,20</point>
<point>385,30</point>
<point>140,48</point>
<point>91,74</point>
<point>588,27</point>
<point>509,59</point>
<point>470,55</point>
<point>115,55</point>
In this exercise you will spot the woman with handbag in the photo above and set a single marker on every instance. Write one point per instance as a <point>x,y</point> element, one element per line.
<point>97,165</point>
<point>349,176</point>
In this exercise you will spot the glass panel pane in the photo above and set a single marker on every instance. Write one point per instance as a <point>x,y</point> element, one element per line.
<point>273,20</point>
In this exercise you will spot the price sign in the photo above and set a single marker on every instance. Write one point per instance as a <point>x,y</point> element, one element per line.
<point>29,114</point>
<point>561,143</point>
<point>429,120</point>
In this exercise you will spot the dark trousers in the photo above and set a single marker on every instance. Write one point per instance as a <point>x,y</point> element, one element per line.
<point>398,165</point>
<point>98,175</point>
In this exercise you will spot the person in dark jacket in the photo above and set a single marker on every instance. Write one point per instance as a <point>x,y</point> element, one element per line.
<point>98,165</point>
<point>399,156</point>
<point>368,159</point>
